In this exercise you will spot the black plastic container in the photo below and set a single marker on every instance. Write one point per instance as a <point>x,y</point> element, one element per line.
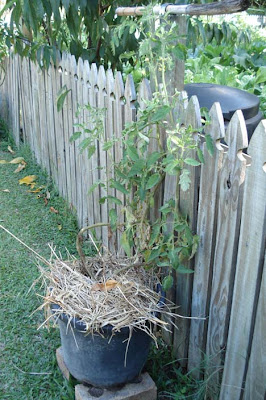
<point>102,360</point>
<point>230,99</point>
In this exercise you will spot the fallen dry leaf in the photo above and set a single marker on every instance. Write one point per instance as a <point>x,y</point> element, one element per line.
<point>28,180</point>
<point>9,148</point>
<point>52,209</point>
<point>3,162</point>
<point>34,191</point>
<point>6,190</point>
<point>45,201</point>
<point>108,285</point>
<point>20,168</point>
<point>59,226</point>
<point>18,160</point>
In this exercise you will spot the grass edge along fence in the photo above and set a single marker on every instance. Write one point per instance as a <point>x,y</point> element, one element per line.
<point>225,205</point>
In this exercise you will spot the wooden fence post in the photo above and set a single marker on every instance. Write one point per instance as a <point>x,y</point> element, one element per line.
<point>78,101</point>
<point>103,155</point>
<point>207,214</point>
<point>109,129</point>
<point>256,375</point>
<point>57,74</point>
<point>247,285</point>
<point>119,124</point>
<point>228,222</point>
<point>188,207</point>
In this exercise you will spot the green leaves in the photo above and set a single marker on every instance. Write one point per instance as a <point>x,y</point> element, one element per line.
<point>154,254</point>
<point>160,114</point>
<point>125,244</point>
<point>184,270</point>
<point>75,136</point>
<point>111,200</point>
<point>108,145</point>
<point>153,158</point>
<point>113,219</point>
<point>200,155</point>
<point>185,180</point>
<point>261,75</point>
<point>30,15</point>
<point>191,161</point>
<point>209,144</point>
<point>118,186</point>
<point>132,153</point>
<point>61,96</point>
<point>168,282</point>
<point>153,180</point>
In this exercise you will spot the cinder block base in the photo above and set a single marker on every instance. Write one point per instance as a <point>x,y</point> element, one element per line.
<point>61,363</point>
<point>145,390</point>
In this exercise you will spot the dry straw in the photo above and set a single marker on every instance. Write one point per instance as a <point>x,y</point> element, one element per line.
<point>120,293</point>
<point>103,290</point>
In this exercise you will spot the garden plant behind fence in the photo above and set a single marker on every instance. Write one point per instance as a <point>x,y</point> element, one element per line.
<point>225,205</point>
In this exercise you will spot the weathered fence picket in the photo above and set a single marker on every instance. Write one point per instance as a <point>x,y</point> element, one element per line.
<point>102,155</point>
<point>88,205</point>
<point>247,281</point>
<point>78,95</point>
<point>228,222</point>
<point>225,206</point>
<point>256,373</point>
<point>59,129</point>
<point>188,201</point>
<point>109,129</point>
<point>206,229</point>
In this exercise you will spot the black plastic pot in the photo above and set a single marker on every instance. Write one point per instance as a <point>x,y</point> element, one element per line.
<point>230,99</point>
<point>102,360</point>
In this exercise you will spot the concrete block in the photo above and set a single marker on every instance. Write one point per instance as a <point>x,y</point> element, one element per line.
<point>61,363</point>
<point>145,390</point>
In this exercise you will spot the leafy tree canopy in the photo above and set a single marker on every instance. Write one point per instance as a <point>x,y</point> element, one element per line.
<point>38,28</point>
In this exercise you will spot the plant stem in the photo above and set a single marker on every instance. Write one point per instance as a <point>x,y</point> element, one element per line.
<point>177,193</point>
<point>79,240</point>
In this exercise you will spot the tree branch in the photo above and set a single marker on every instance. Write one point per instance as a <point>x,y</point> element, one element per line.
<point>215,8</point>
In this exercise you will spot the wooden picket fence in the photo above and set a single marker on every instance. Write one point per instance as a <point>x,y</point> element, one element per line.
<point>225,206</point>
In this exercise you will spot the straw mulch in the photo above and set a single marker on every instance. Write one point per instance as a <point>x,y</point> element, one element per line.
<point>115,292</point>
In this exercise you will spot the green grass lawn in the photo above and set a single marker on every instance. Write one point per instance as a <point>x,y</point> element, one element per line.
<point>28,368</point>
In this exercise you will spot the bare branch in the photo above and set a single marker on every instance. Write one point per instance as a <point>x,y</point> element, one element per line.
<point>215,8</point>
